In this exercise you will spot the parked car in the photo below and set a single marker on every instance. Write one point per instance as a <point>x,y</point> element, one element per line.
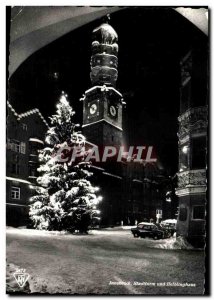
<point>170,225</point>
<point>151,230</point>
<point>167,232</point>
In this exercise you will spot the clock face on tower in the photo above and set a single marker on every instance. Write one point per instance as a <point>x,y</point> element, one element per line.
<point>112,110</point>
<point>93,109</point>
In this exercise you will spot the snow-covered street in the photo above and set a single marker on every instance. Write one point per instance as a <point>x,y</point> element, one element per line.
<point>103,262</point>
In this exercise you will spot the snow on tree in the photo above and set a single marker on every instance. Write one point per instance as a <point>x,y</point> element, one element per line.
<point>65,199</point>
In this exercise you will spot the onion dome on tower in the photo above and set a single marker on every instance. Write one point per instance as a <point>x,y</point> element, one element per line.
<point>104,61</point>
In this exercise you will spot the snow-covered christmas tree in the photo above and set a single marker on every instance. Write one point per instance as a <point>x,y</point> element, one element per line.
<point>66,199</point>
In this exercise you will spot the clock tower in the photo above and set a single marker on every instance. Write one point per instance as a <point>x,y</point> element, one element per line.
<point>102,103</point>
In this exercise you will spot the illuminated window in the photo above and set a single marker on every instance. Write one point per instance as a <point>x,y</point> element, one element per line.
<point>23,148</point>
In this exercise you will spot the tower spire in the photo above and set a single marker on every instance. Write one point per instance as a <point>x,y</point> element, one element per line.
<point>104,59</point>
<point>102,105</point>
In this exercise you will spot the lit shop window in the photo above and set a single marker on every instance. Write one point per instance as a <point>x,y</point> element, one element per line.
<point>15,192</point>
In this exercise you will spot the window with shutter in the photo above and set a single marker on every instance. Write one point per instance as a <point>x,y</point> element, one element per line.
<point>15,145</point>
<point>23,148</point>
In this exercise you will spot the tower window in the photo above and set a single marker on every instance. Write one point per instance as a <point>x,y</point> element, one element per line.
<point>112,138</point>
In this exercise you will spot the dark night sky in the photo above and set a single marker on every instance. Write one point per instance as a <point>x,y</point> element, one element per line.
<point>152,42</point>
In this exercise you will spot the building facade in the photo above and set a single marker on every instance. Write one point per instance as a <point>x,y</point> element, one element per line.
<point>192,143</point>
<point>25,136</point>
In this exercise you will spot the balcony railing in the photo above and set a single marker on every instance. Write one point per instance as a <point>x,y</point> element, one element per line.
<point>193,120</point>
<point>192,178</point>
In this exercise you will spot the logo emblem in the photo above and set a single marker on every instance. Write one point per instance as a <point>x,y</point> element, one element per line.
<point>21,277</point>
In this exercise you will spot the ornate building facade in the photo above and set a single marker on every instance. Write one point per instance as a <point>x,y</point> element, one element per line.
<point>192,143</point>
